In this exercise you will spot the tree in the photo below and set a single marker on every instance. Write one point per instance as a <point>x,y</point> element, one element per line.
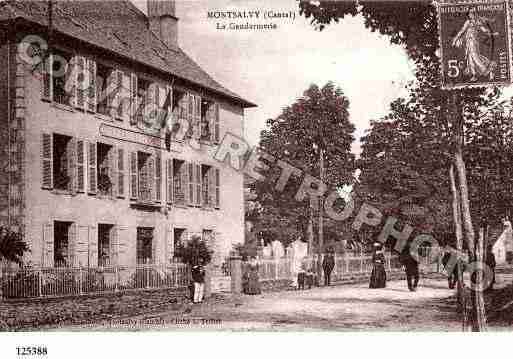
<point>193,250</point>
<point>318,121</point>
<point>12,246</point>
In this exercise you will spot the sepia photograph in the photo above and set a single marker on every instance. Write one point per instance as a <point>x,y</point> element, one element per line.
<point>235,166</point>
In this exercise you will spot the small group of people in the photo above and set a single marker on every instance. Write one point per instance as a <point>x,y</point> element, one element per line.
<point>378,277</point>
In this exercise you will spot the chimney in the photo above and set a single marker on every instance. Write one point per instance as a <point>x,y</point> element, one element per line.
<point>163,22</point>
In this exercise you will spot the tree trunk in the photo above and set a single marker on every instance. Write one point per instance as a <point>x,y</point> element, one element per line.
<point>458,231</point>
<point>321,212</point>
<point>478,310</point>
<point>309,228</point>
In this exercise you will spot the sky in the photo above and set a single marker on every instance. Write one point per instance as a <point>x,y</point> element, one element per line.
<point>272,68</point>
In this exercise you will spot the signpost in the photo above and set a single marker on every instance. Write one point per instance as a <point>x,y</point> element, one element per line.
<point>475,44</point>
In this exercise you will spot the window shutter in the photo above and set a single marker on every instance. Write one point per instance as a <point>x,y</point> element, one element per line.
<point>211,190</point>
<point>92,168</point>
<point>48,246</point>
<point>216,130</point>
<point>197,117</point>
<point>125,258</point>
<point>80,180</point>
<point>92,93</point>
<point>112,93</point>
<point>158,178</point>
<point>47,160</point>
<point>114,246</point>
<point>72,244</point>
<point>190,184</point>
<point>125,96</point>
<point>121,173</point>
<point>113,170</point>
<point>184,182</point>
<point>72,164</point>
<point>218,188</point>
<point>151,178</point>
<point>46,78</point>
<point>93,246</point>
<point>79,82</point>
<point>82,247</point>
<point>119,94</point>
<point>133,99</point>
<point>133,176</point>
<point>198,185</point>
<point>169,180</point>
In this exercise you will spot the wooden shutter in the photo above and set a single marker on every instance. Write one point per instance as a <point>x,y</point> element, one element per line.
<point>218,188</point>
<point>92,94</point>
<point>48,245</point>
<point>82,247</point>
<point>79,68</point>
<point>198,201</point>
<point>72,164</point>
<point>211,178</point>
<point>184,181</point>
<point>125,97</point>
<point>47,160</point>
<point>93,246</point>
<point>151,178</point>
<point>125,257</point>
<point>80,176</point>
<point>216,128</point>
<point>121,173</point>
<point>190,184</point>
<point>158,178</point>
<point>113,170</point>
<point>134,181</point>
<point>72,245</point>
<point>112,93</point>
<point>119,94</point>
<point>92,168</point>
<point>197,117</point>
<point>169,180</point>
<point>133,99</point>
<point>46,78</point>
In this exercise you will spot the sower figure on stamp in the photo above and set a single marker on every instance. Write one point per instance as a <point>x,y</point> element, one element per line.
<point>198,278</point>
<point>411,266</point>
<point>328,264</point>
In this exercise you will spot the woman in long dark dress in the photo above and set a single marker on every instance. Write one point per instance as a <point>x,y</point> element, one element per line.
<point>378,276</point>
<point>252,282</point>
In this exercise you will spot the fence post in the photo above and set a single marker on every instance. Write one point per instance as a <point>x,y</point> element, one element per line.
<point>389,265</point>
<point>236,274</point>
<point>277,269</point>
<point>40,282</point>
<point>147,273</point>
<point>116,278</point>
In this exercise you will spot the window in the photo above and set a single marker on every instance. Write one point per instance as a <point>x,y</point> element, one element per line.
<point>104,78</point>
<point>61,70</point>
<point>105,232</point>
<point>63,238</point>
<point>145,169</point>
<point>62,163</point>
<point>143,97</point>
<point>208,186</point>
<point>144,245</point>
<point>180,179</point>
<point>207,124</point>
<point>180,237</point>
<point>105,169</point>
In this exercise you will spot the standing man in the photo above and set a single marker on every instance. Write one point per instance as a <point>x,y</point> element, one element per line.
<point>411,266</point>
<point>490,262</point>
<point>328,264</point>
<point>198,278</point>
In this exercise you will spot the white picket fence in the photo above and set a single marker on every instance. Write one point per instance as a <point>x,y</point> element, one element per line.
<point>60,282</point>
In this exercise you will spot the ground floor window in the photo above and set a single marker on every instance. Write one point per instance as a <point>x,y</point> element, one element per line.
<point>179,237</point>
<point>145,245</point>
<point>105,257</point>
<point>61,244</point>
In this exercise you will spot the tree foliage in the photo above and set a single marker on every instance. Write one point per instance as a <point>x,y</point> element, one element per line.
<point>12,246</point>
<point>317,120</point>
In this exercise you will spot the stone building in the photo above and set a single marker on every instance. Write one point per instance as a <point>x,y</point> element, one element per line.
<point>85,179</point>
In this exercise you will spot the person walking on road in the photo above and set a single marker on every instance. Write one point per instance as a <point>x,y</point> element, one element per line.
<point>411,266</point>
<point>379,275</point>
<point>328,263</point>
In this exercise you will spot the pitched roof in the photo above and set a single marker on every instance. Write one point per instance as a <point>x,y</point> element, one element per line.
<point>120,27</point>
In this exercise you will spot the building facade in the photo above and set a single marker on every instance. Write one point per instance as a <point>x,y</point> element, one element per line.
<point>90,178</point>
